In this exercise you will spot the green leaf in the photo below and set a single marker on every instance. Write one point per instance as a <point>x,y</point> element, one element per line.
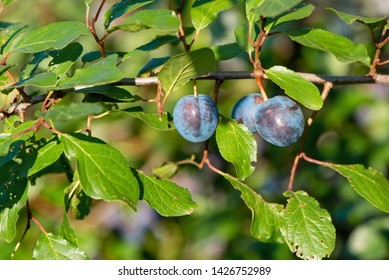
<point>251,14</point>
<point>307,228</point>
<point>13,133</point>
<point>227,51</point>
<point>52,36</point>
<point>296,86</point>
<point>368,183</point>
<point>5,143</point>
<point>166,171</point>
<point>182,68</point>
<point>160,122</point>
<point>342,48</point>
<point>273,8</point>
<point>153,66</point>
<point>298,13</point>
<point>150,46</point>
<point>44,80</point>
<point>73,112</point>
<point>67,232</point>
<point>9,34</point>
<point>13,184</point>
<point>112,94</point>
<point>64,59</point>
<point>4,68</point>
<point>88,2</point>
<point>53,247</point>
<point>94,56</point>
<point>76,199</point>
<point>160,20</point>
<point>5,3</point>
<point>237,145</point>
<point>103,171</point>
<point>166,197</point>
<point>9,218</point>
<point>265,216</point>
<point>48,154</point>
<point>99,73</point>
<point>348,18</point>
<point>203,12</point>
<point>122,8</point>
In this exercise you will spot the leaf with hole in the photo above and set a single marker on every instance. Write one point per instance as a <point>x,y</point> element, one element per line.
<point>13,183</point>
<point>368,183</point>
<point>237,145</point>
<point>102,169</point>
<point>9,218</point>
<point>54,247</point>
<point>342,48</point>
<point>307,228</point>
<point>251,13</point>
<point>52,36</point>
<point>296,86</point>
<point>182,68</point>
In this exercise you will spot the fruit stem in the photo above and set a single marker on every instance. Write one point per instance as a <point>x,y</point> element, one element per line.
<point>195,92</point>
<point>259,80</point>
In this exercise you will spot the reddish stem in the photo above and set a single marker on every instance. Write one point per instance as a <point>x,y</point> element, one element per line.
<point>326,90</point>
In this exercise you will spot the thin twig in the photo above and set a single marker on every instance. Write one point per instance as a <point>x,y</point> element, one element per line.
<point>91,26</point>
<point>326,90</point>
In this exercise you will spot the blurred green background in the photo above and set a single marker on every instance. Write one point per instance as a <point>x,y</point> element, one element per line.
<point>353,127</point>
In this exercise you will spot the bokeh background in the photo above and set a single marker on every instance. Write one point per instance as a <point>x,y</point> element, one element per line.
<point>353,127</point>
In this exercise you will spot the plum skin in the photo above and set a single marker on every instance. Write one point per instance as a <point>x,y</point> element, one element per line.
<point>280,121</point>
<point>196,118</point>
<point>245,109</point>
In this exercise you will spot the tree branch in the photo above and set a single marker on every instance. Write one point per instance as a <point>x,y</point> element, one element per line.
<point>238,75</point>
<point>221,76</point>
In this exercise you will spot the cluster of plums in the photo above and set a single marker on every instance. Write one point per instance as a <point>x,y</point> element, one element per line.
<point>279,120</point>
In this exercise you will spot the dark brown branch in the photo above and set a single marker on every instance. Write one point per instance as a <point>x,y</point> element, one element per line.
<point>221,76</point>
<point>237,75</point>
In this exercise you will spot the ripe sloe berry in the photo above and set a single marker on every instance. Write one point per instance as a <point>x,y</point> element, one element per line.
<point>245,109</point>
<point>196,118</point>
<point>280,121</point>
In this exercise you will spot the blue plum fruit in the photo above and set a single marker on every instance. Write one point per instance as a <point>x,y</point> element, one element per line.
<point>196,118</point>
<point>279,121</point>
<point>245,109</point>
